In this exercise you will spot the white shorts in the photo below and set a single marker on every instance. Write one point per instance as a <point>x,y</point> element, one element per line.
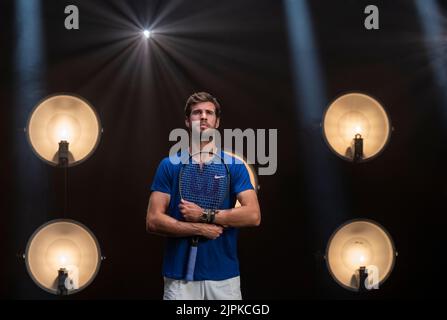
<point>229,289</point>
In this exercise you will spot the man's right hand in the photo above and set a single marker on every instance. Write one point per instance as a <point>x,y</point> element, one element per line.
<point>210,231</point>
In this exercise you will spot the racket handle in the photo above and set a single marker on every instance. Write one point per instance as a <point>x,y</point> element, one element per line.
<point>191,263</point>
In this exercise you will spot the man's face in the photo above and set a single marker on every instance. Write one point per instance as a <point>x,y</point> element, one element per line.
<point>205,115</point>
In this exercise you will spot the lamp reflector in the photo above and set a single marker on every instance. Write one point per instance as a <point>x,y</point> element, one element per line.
<point>64,118</point>
<point>357,244</point>
<point>63,245</point>
<point>356,115</point>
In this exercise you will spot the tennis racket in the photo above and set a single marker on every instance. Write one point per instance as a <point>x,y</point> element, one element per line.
<point>204,180</point>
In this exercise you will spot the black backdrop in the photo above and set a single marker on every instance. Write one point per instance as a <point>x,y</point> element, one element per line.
<point>239,51</point>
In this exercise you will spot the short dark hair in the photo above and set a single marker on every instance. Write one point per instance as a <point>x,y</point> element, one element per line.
<point>199,97</point>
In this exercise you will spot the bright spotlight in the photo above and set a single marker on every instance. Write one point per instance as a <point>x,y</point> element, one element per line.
<point>63,257</point>
<point>360,255</point>
<point>64,129</point>
<point>147,34</point>
<point>356,127</point>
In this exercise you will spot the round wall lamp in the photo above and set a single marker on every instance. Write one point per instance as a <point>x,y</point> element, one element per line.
<point>356,127</point>
<point>63,257</point>
<point>64,130</point>
<point>360,255</point>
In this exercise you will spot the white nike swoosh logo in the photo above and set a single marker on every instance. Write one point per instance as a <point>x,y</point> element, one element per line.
<point>219,177</point>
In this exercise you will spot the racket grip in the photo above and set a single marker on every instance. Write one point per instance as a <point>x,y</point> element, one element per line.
<point>191,263</point>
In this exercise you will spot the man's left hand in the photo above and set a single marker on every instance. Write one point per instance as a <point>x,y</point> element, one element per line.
<point>190,211</point>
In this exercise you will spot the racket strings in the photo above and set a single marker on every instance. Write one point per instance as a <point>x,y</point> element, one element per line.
<point>205,184</point>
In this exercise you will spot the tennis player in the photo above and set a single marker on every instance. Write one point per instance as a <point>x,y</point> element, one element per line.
<point>216,272</point>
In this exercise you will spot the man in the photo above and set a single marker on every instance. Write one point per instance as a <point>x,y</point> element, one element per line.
<point>216,273</point>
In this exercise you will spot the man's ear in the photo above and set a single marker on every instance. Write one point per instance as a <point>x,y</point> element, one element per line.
<point>187,124</point>
<point>217,122</point>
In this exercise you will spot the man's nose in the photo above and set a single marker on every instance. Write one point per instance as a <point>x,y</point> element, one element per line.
<point>203,115</point>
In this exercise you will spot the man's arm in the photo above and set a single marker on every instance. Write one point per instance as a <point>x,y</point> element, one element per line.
<point>159,222</point>
<point>247,215</point>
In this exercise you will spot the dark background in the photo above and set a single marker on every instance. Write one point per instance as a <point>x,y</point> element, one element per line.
<point>240,52</point>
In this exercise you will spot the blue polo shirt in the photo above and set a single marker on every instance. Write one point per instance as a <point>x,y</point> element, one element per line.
<point>216,259</point>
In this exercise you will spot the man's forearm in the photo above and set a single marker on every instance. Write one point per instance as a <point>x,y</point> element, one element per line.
<point>168,226</point>
<point>244,216</point>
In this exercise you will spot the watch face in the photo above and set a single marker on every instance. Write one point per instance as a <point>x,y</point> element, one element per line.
<point>212,216</point>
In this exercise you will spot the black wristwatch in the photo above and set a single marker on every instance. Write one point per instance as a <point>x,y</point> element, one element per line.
<point>208,216</point>
<point>204,217</point>
<point>212,216</point>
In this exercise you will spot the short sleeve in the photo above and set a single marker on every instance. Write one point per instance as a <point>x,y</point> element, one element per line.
<point>163,177</point>
<point>240,179</point>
